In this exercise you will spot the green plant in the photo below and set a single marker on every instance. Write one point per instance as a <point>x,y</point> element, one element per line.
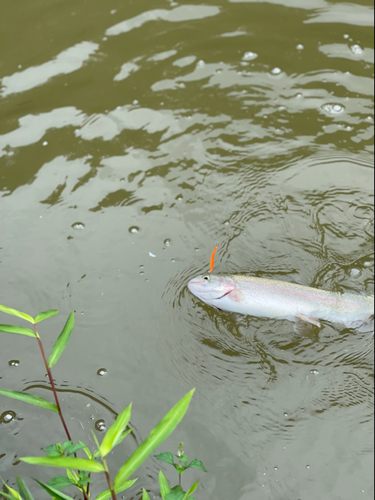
<point>64,455</point>
<point>177,493</point>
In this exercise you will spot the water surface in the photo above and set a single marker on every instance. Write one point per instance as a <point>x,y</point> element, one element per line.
<point>136,136</point>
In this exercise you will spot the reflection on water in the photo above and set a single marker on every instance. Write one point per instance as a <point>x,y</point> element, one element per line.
<point>134,142</point>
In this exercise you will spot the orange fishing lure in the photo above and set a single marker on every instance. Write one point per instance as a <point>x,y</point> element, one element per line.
<point>212,259</point>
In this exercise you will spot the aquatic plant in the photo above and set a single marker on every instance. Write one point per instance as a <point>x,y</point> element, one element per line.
<point>64,455</point>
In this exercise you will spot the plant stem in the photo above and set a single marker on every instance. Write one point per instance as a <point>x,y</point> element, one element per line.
<point>179,480</point>
<point>49,373</point>
<point>110,485</point>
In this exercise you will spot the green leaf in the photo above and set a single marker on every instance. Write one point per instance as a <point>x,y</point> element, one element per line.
<point>45,315</point>
<point>20,330</point>
<point>163,429</point>
<point>53,450</point>
<point>166,456</point>
<point>179,469</point>
<point>60,482</point>
<point>19,314</point>
<point>191,490</point>
<point>145,495</point>
<point>56,494</point>
<point>163,485</point>
<point>71,476</point>
<point>61,341</point>
<point>8,496</point>
<point>65,462</point>
<point>197,464</point>
<point>29,398</point>
<point>23,489</point>
<point>104,495</point>
<point>73,448</point>
<point>183,459</point>
<point>86,450</point>
<point>14,493</point>
<point>114,434</point>
<point>176,493</point>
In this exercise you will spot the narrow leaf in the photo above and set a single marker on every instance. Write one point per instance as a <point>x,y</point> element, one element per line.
<point>45,315</point>
<point>29,398</point>
<point>23,489</point>
<point>60,482</point>
<point>191,489</point>
<point>61,341</point>
<point>9,496</point>
<point>166,456</point>
<point>124,434</point>
<point>55,494</point>
<point>86,450</point>
<point>65,462</point>
<point>114,434</point>
<point>104,495</point>
<point>14,493</point>
<point>197,464</point>
<point>19,314</point>
<point>164,486</point>
<point>145,495</point>
<point>20,330</point>
<point>163,429</point>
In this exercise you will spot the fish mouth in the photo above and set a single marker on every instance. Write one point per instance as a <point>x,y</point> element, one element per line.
<point>197,287</point>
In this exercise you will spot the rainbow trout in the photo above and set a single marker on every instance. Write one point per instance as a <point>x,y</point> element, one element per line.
<point>282,300</point>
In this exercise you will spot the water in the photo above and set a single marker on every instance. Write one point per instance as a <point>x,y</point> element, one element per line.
<point>135,137</point>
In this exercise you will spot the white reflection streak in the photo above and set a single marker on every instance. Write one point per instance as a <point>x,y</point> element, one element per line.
<point>67,61</point>
<point>33,127</point>
<point>181,13</point>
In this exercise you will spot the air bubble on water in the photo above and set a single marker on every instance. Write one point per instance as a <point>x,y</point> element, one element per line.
<point>88,405</point>
<point>45,143</point>
<point>141,273</point>
<point>300,46</point>
<point>179,197</point>
<point>133,229</point>
<point>102,372</point>
<point>78,225</point>
<point>100,425</point>
<point>7,417</point>
<point>104,38</point>
<point>275,468</point>
<point>333,109</point>
<point>151,254</point>
<point>368,263</point>
<point>356,49</point>
<point>135,102</point>
<point>285,414</point>
<point>13,362</point>
<point>167,242</point>
<point>346,36</point>
<point>180,85</point>
<point>200,63</point>
<point>276,71</point>
<point>369,119</point>
<point>355,272</point>
<point>113,11</point>
<point>196,249</point>
<point>314,372</point>
<point>173,260</point>
<point>307,466</point>
<point>249,56</point>
<point>348,128</point>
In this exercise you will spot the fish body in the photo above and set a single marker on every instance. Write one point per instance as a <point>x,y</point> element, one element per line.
<point>282,300</point>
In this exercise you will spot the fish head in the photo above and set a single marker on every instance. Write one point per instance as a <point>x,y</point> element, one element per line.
<point>211,288</point>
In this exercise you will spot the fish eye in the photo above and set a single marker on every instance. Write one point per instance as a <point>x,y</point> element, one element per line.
<point>206,278</point>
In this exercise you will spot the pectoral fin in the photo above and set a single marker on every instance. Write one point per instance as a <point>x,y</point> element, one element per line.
<point>309,319</point>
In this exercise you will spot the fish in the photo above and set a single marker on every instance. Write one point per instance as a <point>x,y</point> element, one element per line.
<point>282,300</point>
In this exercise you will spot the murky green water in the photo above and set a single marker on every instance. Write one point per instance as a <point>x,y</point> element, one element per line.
<point>134,137</point>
